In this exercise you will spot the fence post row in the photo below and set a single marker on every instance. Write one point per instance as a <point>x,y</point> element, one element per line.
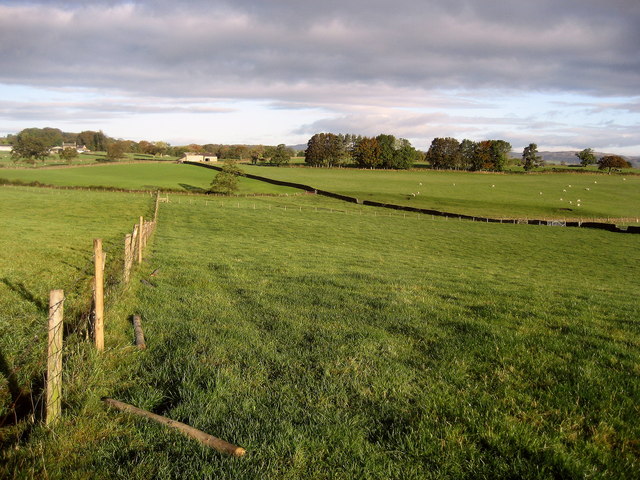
<point>53,401</point>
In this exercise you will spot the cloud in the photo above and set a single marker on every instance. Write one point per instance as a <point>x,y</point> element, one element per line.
<point>157,46</point>
<point>347,60</point>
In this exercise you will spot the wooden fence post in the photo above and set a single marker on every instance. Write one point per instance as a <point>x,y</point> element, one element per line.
<point>140,239</point>
<point>54,358</point>
<point>99,289</point>
<point>155,213</point>
<point>128,255</point>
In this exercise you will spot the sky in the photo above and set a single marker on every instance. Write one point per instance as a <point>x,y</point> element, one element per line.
<point>564,74</point>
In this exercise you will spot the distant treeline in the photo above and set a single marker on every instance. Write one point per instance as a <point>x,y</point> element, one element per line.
<point>383,151</point>
<point>387,151</point>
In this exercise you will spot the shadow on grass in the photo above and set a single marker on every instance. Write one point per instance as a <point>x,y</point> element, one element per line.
<point>24,411</point>
<point>21,290</point>
<point>192,188</point>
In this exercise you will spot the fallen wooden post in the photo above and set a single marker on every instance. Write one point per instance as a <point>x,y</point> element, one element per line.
<point>139,334</point>
<point>204,438</point>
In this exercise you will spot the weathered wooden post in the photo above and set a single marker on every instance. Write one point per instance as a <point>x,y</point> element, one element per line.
<point>128,255</point>
<point>140,239</point>
<point>139,334</point>
<point>99,292</point>
<point>54,358</point>
<point>155,213</point>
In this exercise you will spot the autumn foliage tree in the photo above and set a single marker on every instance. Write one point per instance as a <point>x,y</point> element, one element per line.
<point>611,162</point>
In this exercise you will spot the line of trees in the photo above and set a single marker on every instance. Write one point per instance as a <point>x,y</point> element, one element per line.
<point>33,144</point>
<point>450,154</point>
<point>383,151</point>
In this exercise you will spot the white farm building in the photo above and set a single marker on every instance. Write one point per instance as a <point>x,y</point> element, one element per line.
<point>194,157</point>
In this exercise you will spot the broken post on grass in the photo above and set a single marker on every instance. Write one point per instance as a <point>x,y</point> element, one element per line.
<point>54,357</point>
<point>98,326</point>
<point>139,334</point>
<point>202,437</point>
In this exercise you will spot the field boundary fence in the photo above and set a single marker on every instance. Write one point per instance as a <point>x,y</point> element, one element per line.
<point>600,224</point>
<point>47,403</point>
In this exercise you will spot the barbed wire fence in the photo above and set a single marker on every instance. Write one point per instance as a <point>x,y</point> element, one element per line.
<point>41,397</point>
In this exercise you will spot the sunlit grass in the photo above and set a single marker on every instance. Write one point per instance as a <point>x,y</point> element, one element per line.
<point>142,176</point>
<point>332,343</point>
<point>549,195</point>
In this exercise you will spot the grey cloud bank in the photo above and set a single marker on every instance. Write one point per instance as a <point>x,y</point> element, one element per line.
<point>364,60</point>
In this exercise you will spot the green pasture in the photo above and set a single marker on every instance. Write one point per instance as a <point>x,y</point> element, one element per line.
<point>548,195</point>
<point>92,158</point>
<point>331,341</point>
<point>139,176</point>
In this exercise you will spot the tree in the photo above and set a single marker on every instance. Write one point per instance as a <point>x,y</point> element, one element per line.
<point>366,153</point>
<point>387,149</point>
<point>281,155</point>
<point>324,149</point>
<point>257,154</point>
<point>467,151</point>
<point>405,155</point>
<point>116,150</point>
<point>612,161</point>
<point>68,154</point>
<point>226,181</point>
<point>499,154</point>
<point>31,145</point>
<point>482,156</point>
<point>94,141</point>
<point>530,157</point>
<point>444,153</point>
<point>586,157</point>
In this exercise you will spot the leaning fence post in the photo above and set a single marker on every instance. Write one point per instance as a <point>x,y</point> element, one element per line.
<point>54,357</point>
<point>99,289</point>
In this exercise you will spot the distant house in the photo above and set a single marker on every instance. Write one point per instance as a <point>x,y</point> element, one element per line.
<point>75,146</point>
<point>194,157</point>
<point>6,148</point>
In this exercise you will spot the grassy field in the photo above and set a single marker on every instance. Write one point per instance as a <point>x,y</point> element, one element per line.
<point>82,159</point>
<point>550,195</point>
<point>140,176</point>
<point>333,342</point>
